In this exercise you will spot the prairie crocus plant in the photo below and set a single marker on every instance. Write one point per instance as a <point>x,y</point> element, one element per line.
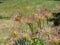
<point>55,40</point>
<point>47,31</point>
<point>14,33</point>
<point>18,18</point>
<point>34,36</point>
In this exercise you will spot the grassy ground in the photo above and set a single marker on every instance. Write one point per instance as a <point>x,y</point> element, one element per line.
<point>26,7</point>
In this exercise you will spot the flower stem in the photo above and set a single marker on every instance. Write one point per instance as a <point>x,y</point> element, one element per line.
<point>47,20</point>
<point>39,24</point>
<point>43,22</point>
<point>31,26</point>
